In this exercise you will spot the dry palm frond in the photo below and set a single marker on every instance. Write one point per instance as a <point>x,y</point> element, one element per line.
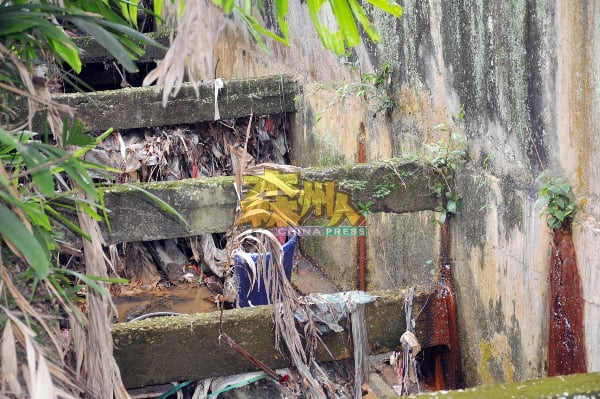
<point>34,94</point>
<point>277,287</point>
<point>103,375</point>
<point>192,48</point>
<point>37,378</point>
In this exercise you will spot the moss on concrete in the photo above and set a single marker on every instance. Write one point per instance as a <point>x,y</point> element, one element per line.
<point>177,348</point>
<point>577,386</point>
<point>208,204</point>
<point>410,184</point>
<point>137,107</point>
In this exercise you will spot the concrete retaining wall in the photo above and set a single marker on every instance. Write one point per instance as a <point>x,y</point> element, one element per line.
<point>527,74</point>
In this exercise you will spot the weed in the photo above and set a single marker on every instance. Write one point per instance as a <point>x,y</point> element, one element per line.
<point>371,85</point>
<point>554,197</point>
<point>445,156</point>
<point>382,190</point>
<point>332,159</point>
<point>365,208</point>
<point>350,185</point>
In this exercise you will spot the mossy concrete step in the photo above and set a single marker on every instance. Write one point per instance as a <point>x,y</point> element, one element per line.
<point>138,107</point>
<point>208,204</point>
<point>177,348</point>
<point>576,386</point>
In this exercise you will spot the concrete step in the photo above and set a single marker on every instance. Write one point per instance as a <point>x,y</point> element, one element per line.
<point>179,348</point>
<point>136,107</point>
<point>208,204</point>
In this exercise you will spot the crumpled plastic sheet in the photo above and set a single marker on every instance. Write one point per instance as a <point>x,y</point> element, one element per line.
<point>329,309</point>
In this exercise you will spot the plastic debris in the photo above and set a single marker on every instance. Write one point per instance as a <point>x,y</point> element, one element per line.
<point>329,309</point>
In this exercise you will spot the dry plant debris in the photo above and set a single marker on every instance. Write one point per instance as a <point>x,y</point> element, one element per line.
<point>208,149</point>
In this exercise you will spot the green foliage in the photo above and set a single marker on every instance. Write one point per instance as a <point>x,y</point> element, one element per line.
<point>373,85</point>
<point>26,28</point>
<point>382,190</point>
<point>364,208</point>
<point>29,199</point>
<point>445,156</point>
<point>351,184</point>
<point>555,201</point>
<point>346,13</point>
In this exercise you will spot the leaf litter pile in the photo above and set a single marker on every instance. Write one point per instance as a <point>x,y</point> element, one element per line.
<point>177,152</point>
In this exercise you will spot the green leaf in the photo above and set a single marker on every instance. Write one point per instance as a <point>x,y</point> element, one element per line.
<point>256,29</point>
<point>33,158</point>
<point>452,208</point>
<point>129,9</point>
<point>81,152</point>
<point>361,16</point>
<point>332,41</point>
<point>346,22</point>
<point>66,222</point>
<point>88,281</point>
<point>106,40</point>
<point>10,26</point>
<point>391,7</point>
<point>158,6</point>
<point>281,8</point>
<point>62,45</point>
<point>75,134</point>
<point>13,231</point>
<point>160,202</point>
<point>226,5</point>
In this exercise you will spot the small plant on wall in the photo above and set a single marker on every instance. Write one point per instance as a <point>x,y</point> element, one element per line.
<point>566,338</point>
<point>445,156</point>
<point>555,201</point>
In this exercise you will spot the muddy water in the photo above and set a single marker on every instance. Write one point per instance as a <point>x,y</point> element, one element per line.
<point>175,299</point>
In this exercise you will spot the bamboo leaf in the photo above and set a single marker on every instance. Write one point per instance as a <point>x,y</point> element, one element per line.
<point>24,242</point>
<point>62,45</point>
<point>281,8</point>
<point>81,152</point>
<point>361,16</point>
<point>332,41</point>
<point>391,7</point>
<point>66,222</point>
<point>160,202</point>
<point>346,22</point>
<point>32,157</point>
<point>75,134</point>
<point>108,41</point>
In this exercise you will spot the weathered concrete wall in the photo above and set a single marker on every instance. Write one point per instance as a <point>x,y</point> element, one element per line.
<point>527,73</point>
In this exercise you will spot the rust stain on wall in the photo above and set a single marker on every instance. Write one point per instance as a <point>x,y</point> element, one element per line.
<point>566,342</point>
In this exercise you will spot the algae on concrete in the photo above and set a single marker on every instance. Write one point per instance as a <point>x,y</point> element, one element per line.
<point>208,204</point>
<point>138,107</point>
<point>176,348</point>
<point>576,386</point>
